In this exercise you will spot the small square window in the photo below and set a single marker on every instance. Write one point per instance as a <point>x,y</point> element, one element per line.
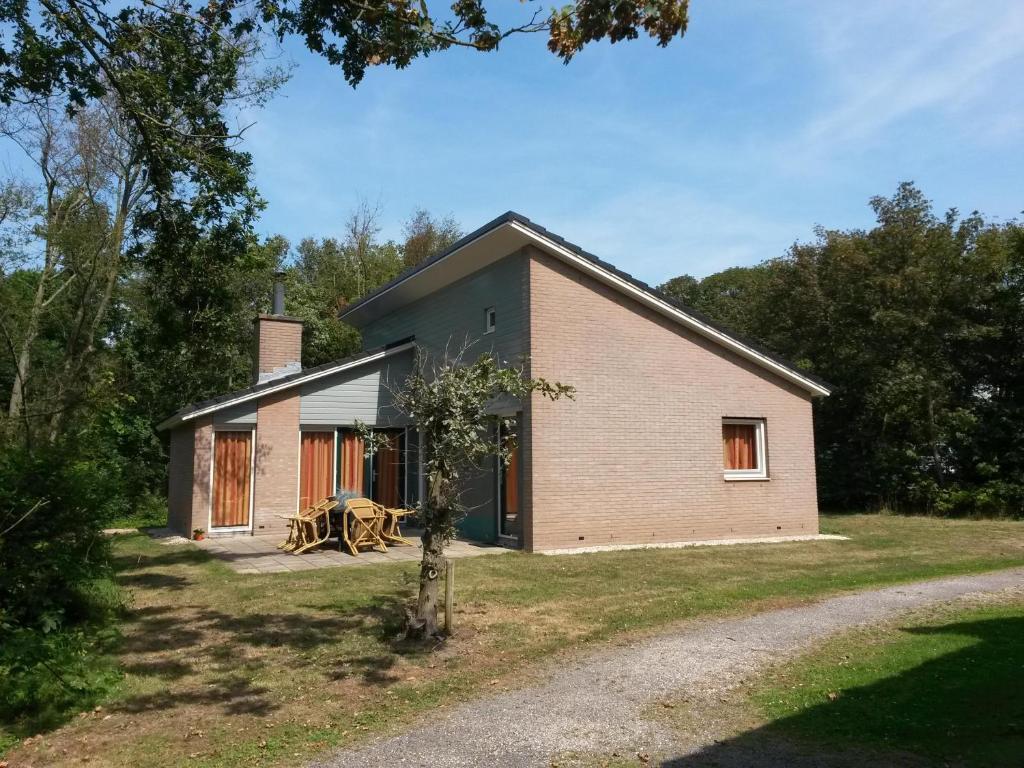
<point>490,318</point>
<point>743,449</point>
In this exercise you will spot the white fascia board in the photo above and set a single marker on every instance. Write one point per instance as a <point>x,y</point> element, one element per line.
<point>417,273</point>
<point>296,382</point>
<point>665,308</point>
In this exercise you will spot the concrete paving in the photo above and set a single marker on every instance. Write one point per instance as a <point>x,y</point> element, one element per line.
<point>259,554</point>
<point>600,705</point>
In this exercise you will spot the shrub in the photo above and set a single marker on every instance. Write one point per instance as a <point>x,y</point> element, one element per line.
<point>56,591</point>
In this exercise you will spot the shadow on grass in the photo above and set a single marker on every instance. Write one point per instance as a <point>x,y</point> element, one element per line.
<point>173,643</point>
<point>236,695</point>
<point>154,580</point>
<point>963,708</point>
<point>173,557</point>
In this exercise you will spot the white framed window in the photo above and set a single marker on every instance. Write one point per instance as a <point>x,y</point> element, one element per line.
<point>490,319</point>
<point>744,455</point>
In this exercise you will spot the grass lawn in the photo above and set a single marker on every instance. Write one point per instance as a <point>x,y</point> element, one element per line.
<point>151,512</point>
<point>947,685</point>
<point>223,669</point>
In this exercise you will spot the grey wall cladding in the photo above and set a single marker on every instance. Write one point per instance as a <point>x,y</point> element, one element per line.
<point>362,393</point>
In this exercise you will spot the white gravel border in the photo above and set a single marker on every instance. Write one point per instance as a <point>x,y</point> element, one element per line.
<point>698,543</point>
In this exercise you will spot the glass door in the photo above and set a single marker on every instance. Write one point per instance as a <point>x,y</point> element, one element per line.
<point>388,470</point>
<point>510,521</point>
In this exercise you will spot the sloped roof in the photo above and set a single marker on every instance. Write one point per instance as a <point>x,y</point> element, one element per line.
<point>220,402</point>
<point>610,274</point>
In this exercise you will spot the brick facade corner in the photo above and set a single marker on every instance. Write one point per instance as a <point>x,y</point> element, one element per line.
<point>276,474</point>
<point>637,457</point>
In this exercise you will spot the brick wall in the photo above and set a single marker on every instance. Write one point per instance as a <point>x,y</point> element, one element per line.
<point>278,342</point>
<point>637,458</point>
<point>188,481</point>
<point>276,490</point>
<point>201,480</point>
<point>179,480</point>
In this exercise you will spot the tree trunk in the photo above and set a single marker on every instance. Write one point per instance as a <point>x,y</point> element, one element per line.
<point>933,440</point>
<point>24,360</point>
<point>423,624</point>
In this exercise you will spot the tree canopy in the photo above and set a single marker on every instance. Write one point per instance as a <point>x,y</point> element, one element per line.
<point>174,66</point>
<point>918,323</point>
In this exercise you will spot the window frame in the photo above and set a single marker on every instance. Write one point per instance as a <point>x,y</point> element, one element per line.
<point>228,427</point>
<point>760,444</point>
<point>490,320</point>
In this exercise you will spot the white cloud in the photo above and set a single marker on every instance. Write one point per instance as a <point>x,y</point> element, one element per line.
<point>886,61</point>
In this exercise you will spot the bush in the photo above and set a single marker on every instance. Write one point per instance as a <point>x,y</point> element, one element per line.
<point>56,592</point>
<point>48,675</point>
<point>995,498</point>
<point>148,511</point>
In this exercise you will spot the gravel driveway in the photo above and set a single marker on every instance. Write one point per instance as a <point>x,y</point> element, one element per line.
<point>597,705</point>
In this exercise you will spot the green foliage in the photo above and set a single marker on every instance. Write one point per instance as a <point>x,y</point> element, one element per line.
<point>426,235</point>
<point>174,68</point>
<point>47,677</point>
<point>729,296</point>
<point>55,591</point>
<point>917,323</point>
<point>328,274</point>
<point>185,312</point>
<point>448,401</point>
<point>53,504</point>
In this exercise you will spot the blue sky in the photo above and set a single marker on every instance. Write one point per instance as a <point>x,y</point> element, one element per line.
<point>723,149</point>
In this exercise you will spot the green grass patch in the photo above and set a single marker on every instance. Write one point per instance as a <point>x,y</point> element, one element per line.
<point>227,669</point>
<point>150,512</point>
<point>949,687</point>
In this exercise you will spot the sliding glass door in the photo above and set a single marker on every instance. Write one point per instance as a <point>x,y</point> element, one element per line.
<point>388,470</point>
<point>316,467</point>
<point>510,521</point>
<point>389,477</point>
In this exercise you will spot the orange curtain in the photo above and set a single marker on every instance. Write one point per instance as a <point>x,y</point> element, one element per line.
<point>739,446</point>
<point>385,491</point>
<point>232,453</point>
<point>512,485</point>
<point>316,468</point>
<point>351,462</point>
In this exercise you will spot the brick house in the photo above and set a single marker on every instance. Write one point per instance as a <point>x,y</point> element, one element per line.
<point>681,430</point>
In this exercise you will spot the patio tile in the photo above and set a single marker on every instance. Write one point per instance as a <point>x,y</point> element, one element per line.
<point>256,555</point>
<point>272,569</point>
<point>299,565</point>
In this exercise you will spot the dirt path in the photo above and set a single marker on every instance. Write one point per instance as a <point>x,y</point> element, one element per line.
<point>597,706</point>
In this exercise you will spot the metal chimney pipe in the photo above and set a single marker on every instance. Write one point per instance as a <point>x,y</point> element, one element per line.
<point>279,293</point>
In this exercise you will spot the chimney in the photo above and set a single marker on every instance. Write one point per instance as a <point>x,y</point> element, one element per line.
<point>278,340</point>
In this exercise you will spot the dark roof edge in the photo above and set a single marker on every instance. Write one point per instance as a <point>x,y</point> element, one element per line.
<point>512,216</point>
<point>404,275</point>
<point>284,382</point>
<point>675,303</point>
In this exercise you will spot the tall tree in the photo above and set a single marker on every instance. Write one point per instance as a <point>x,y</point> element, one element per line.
<point>173,65</point>
<point>328,274</point>
<point>916,322</point>
<point>426,235</point>
<point>91,182</point>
